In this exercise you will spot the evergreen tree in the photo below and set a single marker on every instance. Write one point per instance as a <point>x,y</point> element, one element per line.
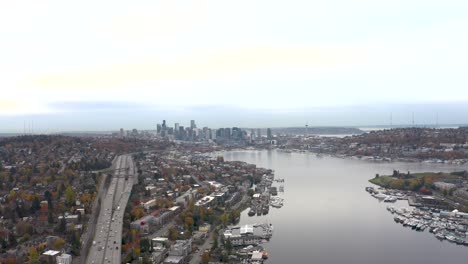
<point>50,216</point>
<point>62,227</point>
<point>36,205</point>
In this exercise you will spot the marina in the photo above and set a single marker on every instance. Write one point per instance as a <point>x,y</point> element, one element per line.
<point>265,196</point>
<point>449,225</point>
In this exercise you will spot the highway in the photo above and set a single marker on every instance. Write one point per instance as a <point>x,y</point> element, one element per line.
<point>108,235</point>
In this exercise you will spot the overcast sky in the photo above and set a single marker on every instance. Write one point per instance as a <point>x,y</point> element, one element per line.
<point>99,65</point>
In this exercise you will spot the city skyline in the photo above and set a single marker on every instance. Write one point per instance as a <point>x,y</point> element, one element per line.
<point>117,117</point>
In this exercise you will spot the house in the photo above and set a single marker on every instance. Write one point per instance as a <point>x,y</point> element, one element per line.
<point>205,228</point>
<point>64,259</point>
<point>50,256</point>
<point>147,205</point>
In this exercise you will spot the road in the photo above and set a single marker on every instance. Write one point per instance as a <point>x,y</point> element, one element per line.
<point>196,258</point>
<point>108,232</point>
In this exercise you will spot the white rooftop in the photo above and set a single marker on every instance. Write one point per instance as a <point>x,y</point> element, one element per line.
<point>51,253</point>
<point>246,229</point>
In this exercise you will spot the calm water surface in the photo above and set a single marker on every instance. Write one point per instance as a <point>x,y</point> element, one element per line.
<point>328,217</point>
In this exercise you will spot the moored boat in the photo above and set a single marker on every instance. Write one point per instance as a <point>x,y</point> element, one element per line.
<point>251,212</point>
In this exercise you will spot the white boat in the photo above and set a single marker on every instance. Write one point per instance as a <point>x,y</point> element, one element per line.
<point>451,238</point>
<point>380,196</point>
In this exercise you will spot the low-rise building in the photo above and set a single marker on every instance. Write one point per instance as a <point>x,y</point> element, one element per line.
<point>248,234</point>
<point>445,186</point>
<point>64,259</point>
<point>174,260</point>
<point>206,201</point>
<point>50,256</point>
<point>181,248</point>
<point>147,205</point>
<point>205,228</point>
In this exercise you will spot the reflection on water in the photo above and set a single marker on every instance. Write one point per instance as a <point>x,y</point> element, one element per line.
<point>327,216</point>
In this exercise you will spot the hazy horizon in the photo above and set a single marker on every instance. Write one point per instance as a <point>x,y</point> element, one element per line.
<point>112,117</point>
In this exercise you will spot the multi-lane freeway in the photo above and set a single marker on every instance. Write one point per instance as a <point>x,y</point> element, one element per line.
<point>108,231</point>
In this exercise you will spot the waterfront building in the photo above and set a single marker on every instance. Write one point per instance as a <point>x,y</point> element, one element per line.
<point>248,234</point>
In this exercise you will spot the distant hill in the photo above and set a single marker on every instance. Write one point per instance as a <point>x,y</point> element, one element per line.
<point>318,131</point>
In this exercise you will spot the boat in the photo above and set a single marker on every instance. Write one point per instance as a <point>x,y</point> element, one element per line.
<point>440,236</point>
<point>390,199</point>
<point>266,209</point>
<point>380,196</point>
<point>276,202</point>
<point>259,210</point>
<point>451,238</point>
<point>251,212</point>
<point>419,226</point>
<point>273,191</point>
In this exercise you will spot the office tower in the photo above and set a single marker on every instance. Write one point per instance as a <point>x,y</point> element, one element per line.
<point>227,133</point>
<point>269,134</point>
<point>192,124</point>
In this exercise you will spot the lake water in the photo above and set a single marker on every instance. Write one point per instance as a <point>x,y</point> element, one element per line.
<point>328,217</point>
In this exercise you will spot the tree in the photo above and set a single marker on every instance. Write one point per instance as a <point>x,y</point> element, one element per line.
<point>33,256</point>
<point>70,196</point>
<point>12,240</point>
<point>224,218</point>
<point>50,216</point>
<point>23,228</point>
<point>62,227</point>
<point>189,222</point>
<point>58,244</point>
<point>48,196</point>
<point>173,233</point>
<point>74,240</point>
<point>86,198</point>
<point>145,245</point>
<point>228,245</point>
<point>205,257</point>
<point>215,243</point>
<point>36,205</point>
